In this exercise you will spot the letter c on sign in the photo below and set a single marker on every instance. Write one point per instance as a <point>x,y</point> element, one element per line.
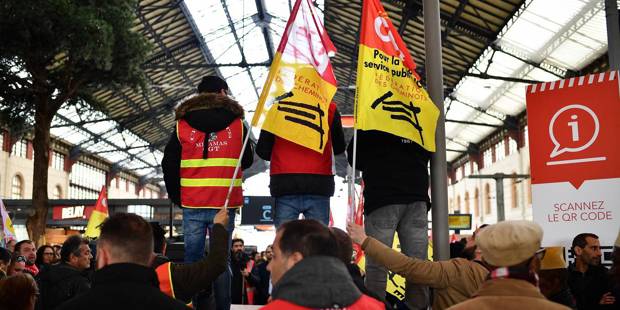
<point>266,215</point>
<point>380,21</point>
<point>387,37</point>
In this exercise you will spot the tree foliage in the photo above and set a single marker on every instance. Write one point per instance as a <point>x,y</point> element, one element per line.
<point>55,52</point>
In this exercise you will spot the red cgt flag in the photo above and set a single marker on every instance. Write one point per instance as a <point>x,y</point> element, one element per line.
<point>100,213</point>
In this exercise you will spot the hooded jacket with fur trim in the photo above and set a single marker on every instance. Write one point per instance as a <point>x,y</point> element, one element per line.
<point>208,112</point>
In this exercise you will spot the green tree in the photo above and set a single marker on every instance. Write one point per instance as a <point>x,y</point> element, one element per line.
<point>55,52</point>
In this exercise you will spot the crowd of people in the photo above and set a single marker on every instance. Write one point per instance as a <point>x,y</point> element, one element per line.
<point>309,264</point>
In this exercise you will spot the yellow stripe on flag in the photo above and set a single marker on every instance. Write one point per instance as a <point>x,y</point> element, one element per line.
<point>208,182</point>
<point>96,219</point>
<point>99,214</point>
<point>209,162</point>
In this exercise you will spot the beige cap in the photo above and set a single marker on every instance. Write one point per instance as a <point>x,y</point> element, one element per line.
<point>509,243</point>
<point>617,244</point>
<point>553,259</point>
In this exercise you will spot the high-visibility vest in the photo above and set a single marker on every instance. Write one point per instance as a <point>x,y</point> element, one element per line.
<point>205,181</point>
<point>164,275</point>
<point>289,157</point>
<point>362,303</point>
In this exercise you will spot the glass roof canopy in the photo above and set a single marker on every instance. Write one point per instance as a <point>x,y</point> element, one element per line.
<point>558,40</point>
<point>98,136</point>
<point>553,41</point>
<point>563,40</point>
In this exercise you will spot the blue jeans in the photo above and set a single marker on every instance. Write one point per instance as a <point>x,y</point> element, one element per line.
<point>411,222</point>
<point>196,222</point>
<point>289,207</point>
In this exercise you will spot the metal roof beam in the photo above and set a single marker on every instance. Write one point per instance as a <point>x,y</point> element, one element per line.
<point>158,40</point>
<point>125,120</point>
<point>138,109</point>
<point>206,53</point>
<point>409,11</point>
<point>165,55</point>
<point>97,137</point>
<point>122,150</point>
<point>456,16</point>
<point>473,123</point>
<point>479,109</point>
<point>263,21</point>
<point>588,12</point>
<point>456,151</point>
<point>234,33</point>
<point>551,69</point>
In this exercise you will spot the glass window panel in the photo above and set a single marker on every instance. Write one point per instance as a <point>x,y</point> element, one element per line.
<point>17,188</point>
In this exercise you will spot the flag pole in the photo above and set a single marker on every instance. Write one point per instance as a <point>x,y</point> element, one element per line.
<point>232,181</point>
<point>352,208</point>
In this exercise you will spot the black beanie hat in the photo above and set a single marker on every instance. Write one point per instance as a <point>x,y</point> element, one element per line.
<point>212,84</point>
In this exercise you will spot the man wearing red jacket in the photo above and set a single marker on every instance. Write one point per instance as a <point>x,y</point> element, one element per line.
<point>307,274</point>
<point>302,180</point>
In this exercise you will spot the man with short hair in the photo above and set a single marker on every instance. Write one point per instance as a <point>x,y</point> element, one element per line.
<point>198,165</point>
<point>240,273</point>
<point>259,277</point>
<point>510,250</point>
<point>307,273</point>
<point>27,249</point>
<point>587,278</point>
<point>124,279</point>
<point>453,280</point>
<point>66,280</point>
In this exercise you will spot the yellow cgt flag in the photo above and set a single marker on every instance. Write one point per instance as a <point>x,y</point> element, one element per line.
<point>301,84</point>
<point>389,96</point>
<point>99,214</point>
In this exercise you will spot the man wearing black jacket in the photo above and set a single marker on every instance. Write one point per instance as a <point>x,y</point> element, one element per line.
<point>587,278</point>
<point>395,173</point>
<point>68,279</point>
<point>124,279</point>
<point>302,180</point>
<point>198,166</point>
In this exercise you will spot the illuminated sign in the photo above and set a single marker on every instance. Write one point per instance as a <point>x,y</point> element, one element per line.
<point>459,221</point>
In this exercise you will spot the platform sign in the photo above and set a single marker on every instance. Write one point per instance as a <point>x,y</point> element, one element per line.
<point>257,210</point>
<point>574,129</point>
<point>459,221</point>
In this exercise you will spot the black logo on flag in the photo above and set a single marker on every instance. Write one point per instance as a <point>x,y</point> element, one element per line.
<point>400,111</point>
<point>303,114</point>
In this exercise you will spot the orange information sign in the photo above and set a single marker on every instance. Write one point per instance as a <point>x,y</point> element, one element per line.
<point>575,163</point>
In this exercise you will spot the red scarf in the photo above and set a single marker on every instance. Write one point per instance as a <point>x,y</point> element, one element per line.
<point>520,273</point>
